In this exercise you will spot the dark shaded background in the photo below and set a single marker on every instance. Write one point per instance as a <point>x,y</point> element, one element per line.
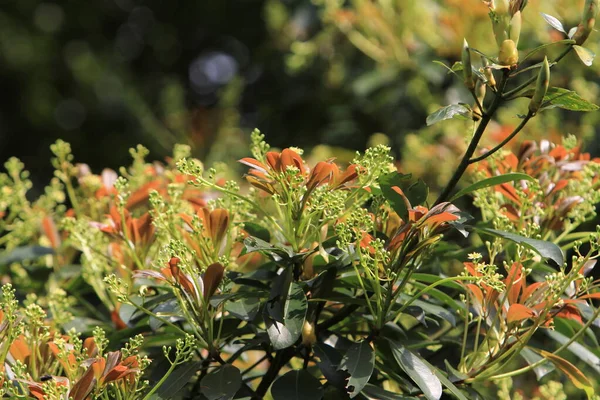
<point>109,74</point>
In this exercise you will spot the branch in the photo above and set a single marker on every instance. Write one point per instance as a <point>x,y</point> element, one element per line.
<point>504,142</point>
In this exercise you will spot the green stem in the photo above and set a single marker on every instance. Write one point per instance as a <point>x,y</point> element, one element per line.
<point>505,141</point>
<point>464,163</point>
<point>159,383</point>
<point>561,348</point>
<point>529,81</point>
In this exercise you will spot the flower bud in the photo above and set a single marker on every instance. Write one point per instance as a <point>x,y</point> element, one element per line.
<point>508,55</point>
<point>480,89</point>
<point>487,72</point>
<point>308,334</point>
<point>515,28</point>
<point>516,6</point>
<point>588,20</point>
<point>467,68</point>
<point>541,88</point>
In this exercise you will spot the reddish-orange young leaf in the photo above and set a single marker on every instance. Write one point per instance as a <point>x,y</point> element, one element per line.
<point>478,301</point>
<point>573,373</point>
<point>265,186</point>
<point>570,311</point>
<point>83,387</point>
<point>49,228</point>
<point>320,174</point>
<point>514,282</point>
<point>509,192</point>
<point>253,163</point>
<point>36,391</point>
<point>212,277</point>
<point>440,218</point>
<point>273,159</point>
<point>518,312</point>
<point>291,158</point>
<point>19,349</point>
<point>533,290</point>
<point>589,296</point>
<point>89,344</point>
<point>350,174</point>
<point>560,185</point>
<point>219,221</point>
<point>141,195</point>
<point>117,373</point>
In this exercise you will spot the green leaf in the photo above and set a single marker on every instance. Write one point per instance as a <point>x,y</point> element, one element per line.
<point>180,377</point>
<point>448,112</point>
<point>567,100</point>
<point>358,362</point>
<point>446,382</point>
<point>284,321</point>
<point>297,385</point>
<point>416,192</point>
<point>372,392</point>
<point>25,253</point>
<point>545,249</point>
<point>417,370</point>
<point>563,98</point>
<point>329,360</point>
<point>585,55</point>
<point>244,308</point>
<point>222,384</point>
<point>493,181</point>
<point>555,23</point>
<point>257,231</point>
<point>573,373</point>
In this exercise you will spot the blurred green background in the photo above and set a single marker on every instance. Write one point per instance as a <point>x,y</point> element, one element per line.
<point>108,74</point>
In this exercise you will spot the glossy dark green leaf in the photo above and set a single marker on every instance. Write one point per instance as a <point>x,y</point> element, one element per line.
<point>328,361</point>
<point>244,308</point>
<point>418,371</point>
<point>493,181</point>
<point>222,384</point>
<point>25,253</point>
<point>284,321</point>
<point>297,385</point>
<point>180,377</point>
<point>448,112</point>
<point>253,244</point>
<point>545,249</point>
<point>565,99</point>
<point>447,383</point>
<point>257,231</point>
<point>358,362</point>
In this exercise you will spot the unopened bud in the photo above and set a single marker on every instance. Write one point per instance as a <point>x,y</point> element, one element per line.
<point>488,73</point>
<point>588,20</point>
<point>308,334</point>
<point>480,89</point>
<point>508,55</point>
<point>541,87</point>
<point>515,28</point>
<point>467,68</point>
<point>516,6</point>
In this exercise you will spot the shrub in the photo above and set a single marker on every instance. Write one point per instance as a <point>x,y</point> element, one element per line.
<point>313,281</point>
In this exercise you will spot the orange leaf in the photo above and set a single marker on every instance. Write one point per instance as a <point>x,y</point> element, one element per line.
<point>212,277</point>
<point>573,373</point>
<point>84,385</point>
<point>518,312</point>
